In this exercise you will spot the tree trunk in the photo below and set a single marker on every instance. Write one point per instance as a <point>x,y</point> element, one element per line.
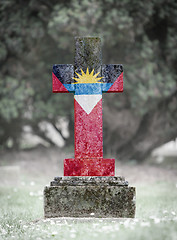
<point>155,128</point>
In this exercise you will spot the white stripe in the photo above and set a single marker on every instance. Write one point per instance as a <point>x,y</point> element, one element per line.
<point>88,102</point>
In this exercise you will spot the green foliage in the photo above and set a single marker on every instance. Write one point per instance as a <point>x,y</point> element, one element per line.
<point>15,96</point>
<point>34,35</point>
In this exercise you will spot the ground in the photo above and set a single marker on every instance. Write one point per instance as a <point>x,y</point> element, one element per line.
<point>23,176</point>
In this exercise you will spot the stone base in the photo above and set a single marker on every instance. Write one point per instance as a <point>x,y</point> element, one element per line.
<point>89,197</point>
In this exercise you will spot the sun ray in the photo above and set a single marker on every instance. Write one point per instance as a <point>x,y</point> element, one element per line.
<point>87,73</point>
<point>87,77</point>
<point>96,74</point>
<point>83,73</point>
<point>99,78</point>
<point>78,74</point>
<point>92,73</point>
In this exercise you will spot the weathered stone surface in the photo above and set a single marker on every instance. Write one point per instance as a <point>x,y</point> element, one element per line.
<point>88,196</point>
<point>64,72</point>
<point>85,181</point>
<point>88,79</point>
<point>91,197</point>
<point>111,72</point>
<point>87,54</point>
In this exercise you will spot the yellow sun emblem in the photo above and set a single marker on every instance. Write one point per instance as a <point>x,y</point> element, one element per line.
<point>87,77</point>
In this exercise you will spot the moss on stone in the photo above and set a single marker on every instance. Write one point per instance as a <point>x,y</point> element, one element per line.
<point>87,54</point>
<point>81,201</point>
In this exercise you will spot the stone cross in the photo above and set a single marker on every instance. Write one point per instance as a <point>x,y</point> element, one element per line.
<point>88,79</point>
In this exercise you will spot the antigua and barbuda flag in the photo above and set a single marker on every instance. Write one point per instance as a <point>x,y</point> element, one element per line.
<point>87,86</point>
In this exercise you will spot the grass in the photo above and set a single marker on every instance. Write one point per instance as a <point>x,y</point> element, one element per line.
<point>21,202</point>
<point>21,216</point>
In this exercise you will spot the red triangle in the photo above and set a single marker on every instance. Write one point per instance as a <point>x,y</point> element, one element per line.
<point>117,85</point>
<point>57,85</point>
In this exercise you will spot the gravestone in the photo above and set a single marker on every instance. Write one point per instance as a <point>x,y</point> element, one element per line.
<point>89,187</point>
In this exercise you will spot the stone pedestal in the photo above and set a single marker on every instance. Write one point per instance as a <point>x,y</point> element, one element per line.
<point>89,197</point>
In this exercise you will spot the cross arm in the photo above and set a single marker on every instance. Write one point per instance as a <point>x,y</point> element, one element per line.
<point>62,77</point>
<point>112,78</point>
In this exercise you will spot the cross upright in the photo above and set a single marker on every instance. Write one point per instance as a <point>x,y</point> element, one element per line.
<point>88,79</point>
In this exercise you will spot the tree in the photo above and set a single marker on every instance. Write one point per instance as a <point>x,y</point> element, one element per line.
<point>141,35</point>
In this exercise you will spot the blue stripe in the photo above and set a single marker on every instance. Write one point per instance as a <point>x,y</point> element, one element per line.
<point>88,88</point>
<point>106,86</point>
<point>70,87</point>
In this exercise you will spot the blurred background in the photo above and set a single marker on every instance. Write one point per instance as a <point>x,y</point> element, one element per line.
<point>141,35</point>
<point>37,126</point>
